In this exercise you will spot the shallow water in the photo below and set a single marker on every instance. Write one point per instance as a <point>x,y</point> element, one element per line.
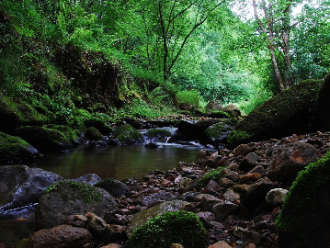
<point>119,162</point>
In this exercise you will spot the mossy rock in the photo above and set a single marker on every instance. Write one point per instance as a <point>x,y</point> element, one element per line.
<point>66,198</point>
<point>291,111</point>
<point>127,135</point>
<point>323,107</point>
<point>44,139</point>
<point>69,133</point>
<point>159,135</point>
<point>304,220</point>
<point>214,175</point>
<point>216,134</point>
<point>13,114</point>
<point>172,227</point>
<point>99,125</point>
<point>93,134</point>
<point>15,149</point>
<point>219,114</point>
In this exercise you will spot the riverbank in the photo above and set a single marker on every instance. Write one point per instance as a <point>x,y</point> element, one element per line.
<point>226,189</point>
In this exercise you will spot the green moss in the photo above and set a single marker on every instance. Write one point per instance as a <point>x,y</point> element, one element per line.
<point>127,135</point>
<point>236,136</point>
<point>14,147</point>
<point>217,130</point>
<point>90,193</point>
<point>219,114</point>
<point>279,116</point>
<point>68,132</point>
<point>172,227</point>
<point>98,124</point>
<point>93,134</point>
<point>215,175</point>
<point>295,220</point>
<point>43,138</point>
<point>152,133</point>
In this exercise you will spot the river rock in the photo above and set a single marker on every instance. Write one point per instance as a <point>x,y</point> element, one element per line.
<point>15,150</point>
<point>216,134</point>
<point>249,161</point>
<point>144,216</point>
<point>220,244</point>
<point>90,178</point>
<point>60,236</point>
<point>114,187</point>
<point>214,105</point>
<point>156,198</point>
<point>127,135</point>
<point>44,139</point>
<point>276,196</point>
<point>223,209</point>
<point>291,159</point>
<point>21,185</point>
<point>68,198</point>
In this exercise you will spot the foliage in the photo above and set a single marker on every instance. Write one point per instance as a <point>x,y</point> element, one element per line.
<point>172,227</point>
<point>93,134</point>
<point>214,174</point>
<point>192,97</point>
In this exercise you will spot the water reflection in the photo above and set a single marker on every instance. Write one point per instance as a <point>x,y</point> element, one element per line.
<point>119,162</point>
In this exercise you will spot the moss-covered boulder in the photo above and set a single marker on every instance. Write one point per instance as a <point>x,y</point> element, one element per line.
<point>67,131</point>
<point>172,227</point>
<point>67,198</point>
<point>44,139</point>
<point>216,134</point>
<point>127,135</point>
<point>305,218</point>
<point>291,111</point>
<point>99,125</point>
<point>13,114</point>
<point>323,106</point>
<point>159,135</point>
<point>93,134</point>
<point>15,150</point>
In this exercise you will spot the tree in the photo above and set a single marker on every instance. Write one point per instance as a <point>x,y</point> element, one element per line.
<point>276,26</point>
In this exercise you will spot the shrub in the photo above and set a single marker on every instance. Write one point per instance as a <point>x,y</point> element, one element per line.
<point>192,97</point>
<point>172,227</point>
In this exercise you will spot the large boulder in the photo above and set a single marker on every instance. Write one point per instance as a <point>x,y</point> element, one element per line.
<point>127,135</point>
<point>44,138</point>
<point>323,107</point>
<point>114,187</point>
<point>304,220</point>
<point>216,134</point>
<point>64,236</point>
<point>291,111</point>
<point>67,198</point>
<point>21,185</point>
<point>15,150</point>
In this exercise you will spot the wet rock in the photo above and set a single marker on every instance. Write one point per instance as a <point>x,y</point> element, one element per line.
<point>242,150</point>
<point>254,195</point>
<point>213,105</point>
<point>21,185</point>
<point>223,209</point>
<point>258,169</point>
<point>60,236</point>
<point>220,244</point>
<point>91,179</point>
<point>231,195</point>
<point>291,159</point>
<point>127,135</point>
<point>249,161</point>
<point>212,187</point>
<point>114,187</point>
<point>142,217</point>
<point>67,198</point>
<point>216,134</point>
<point>156,198</point>
<point>249,177</point>
<point>206,218</point>
<point>276,196</point>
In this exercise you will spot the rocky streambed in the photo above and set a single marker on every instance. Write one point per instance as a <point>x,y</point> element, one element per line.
<point>237,195</point>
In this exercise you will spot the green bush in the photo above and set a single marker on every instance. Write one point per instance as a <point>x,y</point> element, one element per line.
<point>172,227</point>
<point>192,97</point>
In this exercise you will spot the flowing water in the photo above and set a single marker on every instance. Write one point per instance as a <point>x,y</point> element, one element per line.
<point>119,162</point>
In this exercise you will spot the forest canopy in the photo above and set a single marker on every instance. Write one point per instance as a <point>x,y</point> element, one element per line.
<point>200,45</point>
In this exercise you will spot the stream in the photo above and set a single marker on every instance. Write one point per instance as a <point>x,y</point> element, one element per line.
<point>119,162</point>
